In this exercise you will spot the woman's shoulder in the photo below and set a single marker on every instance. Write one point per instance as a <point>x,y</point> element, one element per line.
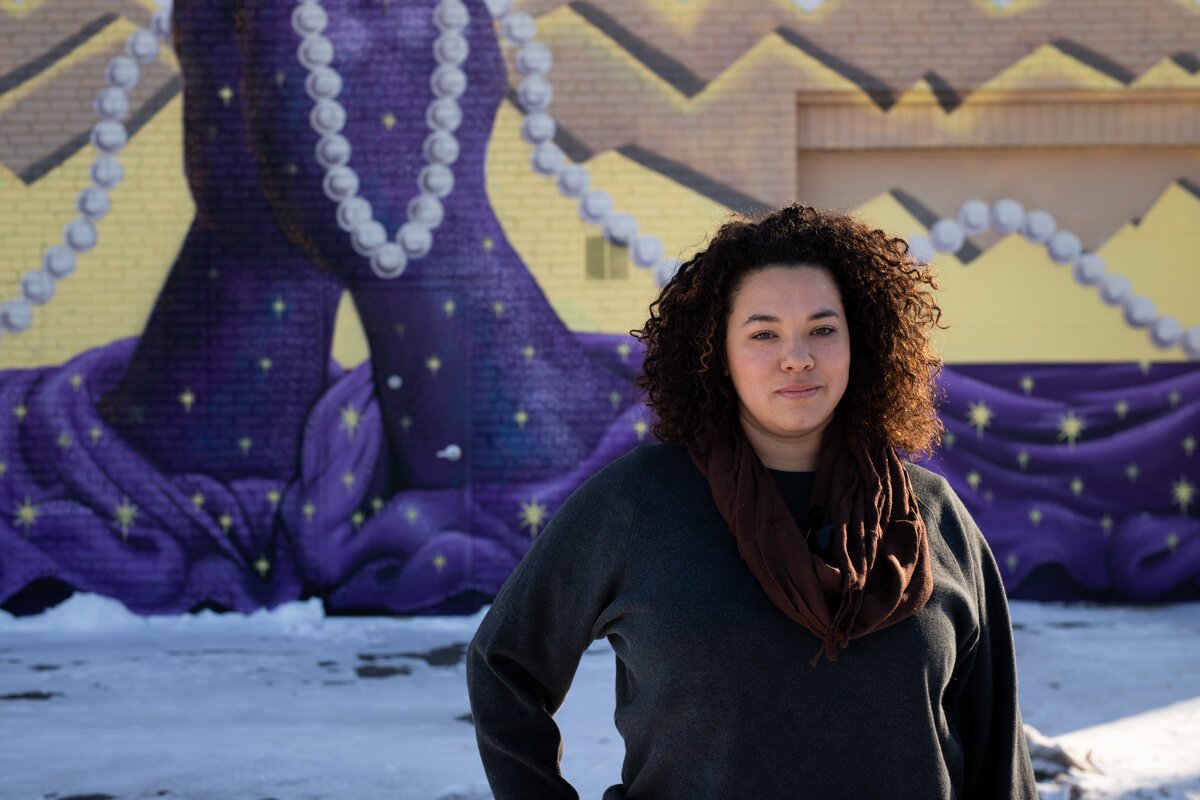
<point>944,512</point>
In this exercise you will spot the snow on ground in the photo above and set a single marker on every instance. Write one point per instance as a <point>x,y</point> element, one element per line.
<point>289,704</point>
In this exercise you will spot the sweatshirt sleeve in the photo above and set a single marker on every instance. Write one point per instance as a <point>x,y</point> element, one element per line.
<point>989,717</point>
<point>524,655</point>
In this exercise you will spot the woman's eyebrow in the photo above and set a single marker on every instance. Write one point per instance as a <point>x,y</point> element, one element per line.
<point>824,313</point>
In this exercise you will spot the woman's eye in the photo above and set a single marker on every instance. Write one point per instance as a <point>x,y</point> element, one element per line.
<point>763,335</point>
<point>824,330</point>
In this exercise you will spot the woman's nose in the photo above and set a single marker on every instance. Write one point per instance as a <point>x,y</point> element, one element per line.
<point>797,355</point>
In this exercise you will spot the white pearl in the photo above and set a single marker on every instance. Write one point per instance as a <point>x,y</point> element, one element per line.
<point>160,24</point>
<point>1038,226</point>
<point>415,239</point>
<point>122,72</point>
<point>620,229</point>
<point>111,103</point>
<point>16,315</point>
<point>646,251</point>
<point>352,212</point>
<point>1114,289</point>
<point>444,114</point>
<point>535,93</point>
<point>547,159</point>
<point>498,8</point>
<point>142,45</point>
<point>59,261</point>
<point>389,262</point>
<point>1140,311</point>
<point>309,19</point>
<point>519,28</point>
<point>328,116</point>
<point>368,237</point>
<point>340,183</point>
<point>450,15</point>
<point>37,286</point>
<point>534,59</point>
<point>537,128</point>
<point>1191,341</point>
<point>333,151</point>
<point>394,382</point>
<point>107,172</point>
<point>920,248</point>
<point>1089,269</point>
<point>974,217</point>
<point>80,235</point>
<point>426,210</point>
<point>448,81</point>
<point>947,236</point>
<point>109,136</point>
<point>93,202</point>
<point>595,206</point>
<point>440,148</point>
<point>1166,332</point>
<point>315,51</point>
<point>1007,215</point>
<point>323,83</point>
<point>451,48</point>
<point>437,180</point>
<point>1064,247</point>
<point>665,270</point>
<point>573,180</point>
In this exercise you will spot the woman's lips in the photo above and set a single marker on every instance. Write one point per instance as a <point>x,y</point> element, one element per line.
<point>797,392</point>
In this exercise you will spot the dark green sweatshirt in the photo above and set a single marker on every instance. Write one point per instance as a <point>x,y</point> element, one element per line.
<point>715,697</point>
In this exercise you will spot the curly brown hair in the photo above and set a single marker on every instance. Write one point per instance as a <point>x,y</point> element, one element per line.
<point>893,390</point>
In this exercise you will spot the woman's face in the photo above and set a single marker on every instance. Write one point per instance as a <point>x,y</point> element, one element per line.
<point>788,349</point>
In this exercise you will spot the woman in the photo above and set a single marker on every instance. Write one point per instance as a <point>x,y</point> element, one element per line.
<point>851,638</point>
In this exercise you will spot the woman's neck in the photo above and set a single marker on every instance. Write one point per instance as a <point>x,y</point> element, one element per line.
<point>799,454</point>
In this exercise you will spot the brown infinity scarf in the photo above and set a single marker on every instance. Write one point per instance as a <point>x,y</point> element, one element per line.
<point>877,571</point>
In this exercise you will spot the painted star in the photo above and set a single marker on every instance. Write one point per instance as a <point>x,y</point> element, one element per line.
<point>1027,383</point>
<point>64,440</point>
<point>979,416</point>
<point>498,308</point>
<point>265,364</point>
<point>433,364</point>
<point>615,399</point>
<point>1189,445</point>
<point>187,399</point>
<point>528,352</point>
<point>1106,524</point>
<point>640,427</point>
<point>1070,426</point>
<point>1172,541</point>
<point>521,417</point>
<point>308,510</point>
<point>262,566</point>
<point>273,497</point>
<point>405,423</point>
<point>1122,408</point>
<point>1173,398</point>
<point>27,515</point>
<point>198,499</point>
<point>1183,493</point>
<point>623,350</point>
<point>1144,365</point>
<point>388,120</point>
<point>1035,515</point>
<point>950,440</point>
<point>3,469</point>
<point>225,521</point>
<point>357,518</point>
<point>95,433</point>
<point>278,306</point>
<point>76,381</point>
<point>348,480</point>
<point>1132,471</point>
<point>412,515</point>
<point>449,308</point>
<point>377,504</point>
<point>225,93</point>
<point>351,419</point>
<point>439,562</point>
<point>1011,562</point>
<point>20,412</point>
<point>1077,486</point>
<point>533,515</point>
<point>488,244</point>
<point>290,168</point>
<point>974,479</point>
<point>244,444</point>
<point>124,515</point>
<point>280,77</point>
<point>1023,459</point>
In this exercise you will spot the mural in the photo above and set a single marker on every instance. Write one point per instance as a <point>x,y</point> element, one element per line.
<point>379,330</point>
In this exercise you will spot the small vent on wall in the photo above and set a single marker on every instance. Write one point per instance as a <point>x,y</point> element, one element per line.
<point>606,261</point>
